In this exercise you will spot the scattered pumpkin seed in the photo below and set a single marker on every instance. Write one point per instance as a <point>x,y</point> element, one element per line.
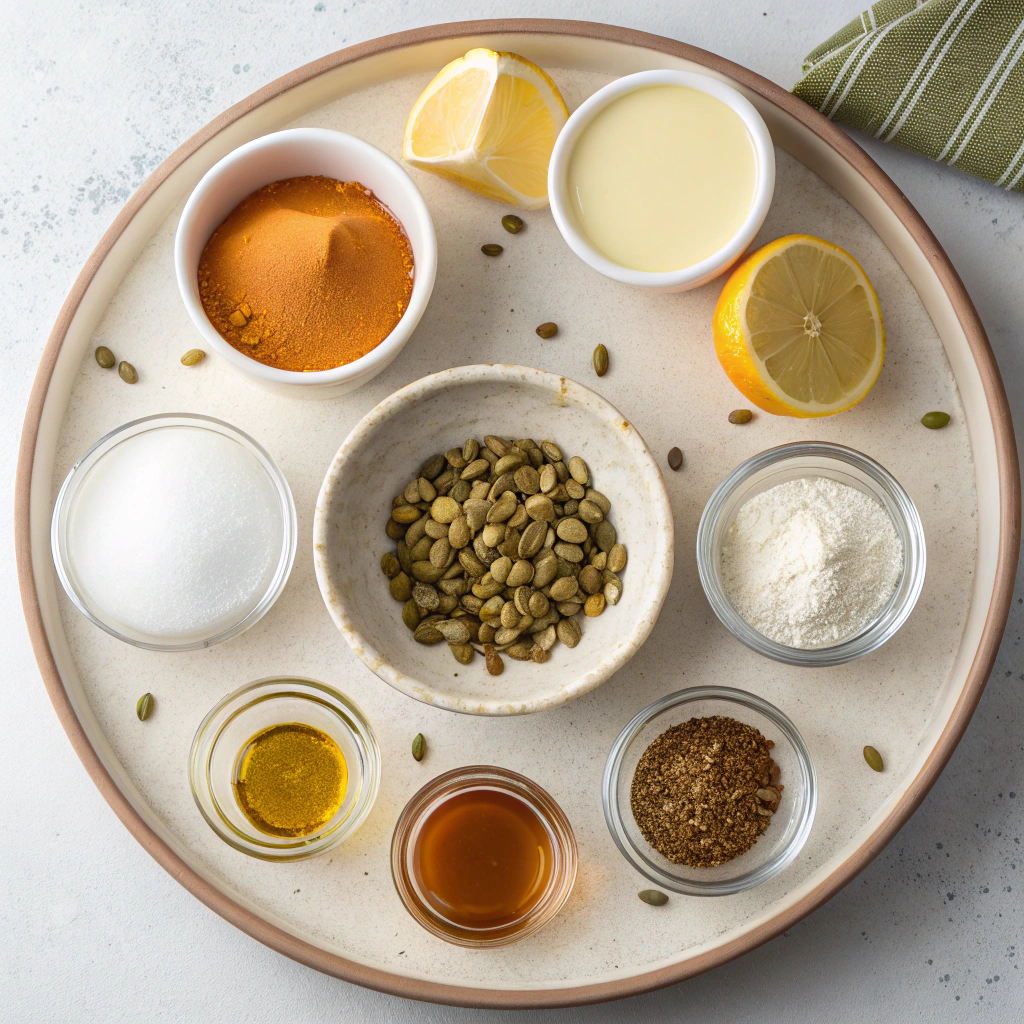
<point>193,356</point>
<point>144,708</point>
<point>492,249</point>
<point>873,758</point>
<point>653,897</point>
<point>740,416</point>
<point>105,357</point>
<point>512,224</point>
<point>675,458</point>
<point>600,360</point>
<point>127,372</point>
<point>547,330</point>
<point>419,746</point>
<point>932,420</point>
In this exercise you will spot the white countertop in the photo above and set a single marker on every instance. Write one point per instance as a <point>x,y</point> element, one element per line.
<point>95,96</point>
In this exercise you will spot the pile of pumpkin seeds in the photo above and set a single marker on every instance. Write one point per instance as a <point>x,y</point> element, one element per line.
<point>499,547</point>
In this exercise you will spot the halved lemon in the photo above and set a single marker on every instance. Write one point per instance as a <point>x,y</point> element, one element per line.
<point>798,328</point>
<point>488,121</point>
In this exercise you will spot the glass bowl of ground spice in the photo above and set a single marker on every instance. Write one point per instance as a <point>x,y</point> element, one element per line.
<point>811,554</point>
<point>305,259</point>
<point>709,791</point>
<point>285,768</point>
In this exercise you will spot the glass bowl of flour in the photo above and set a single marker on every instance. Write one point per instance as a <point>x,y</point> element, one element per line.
<point>174,532</point>
<point>811,553</point>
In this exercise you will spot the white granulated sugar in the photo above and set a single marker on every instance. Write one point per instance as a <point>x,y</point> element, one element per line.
<point>176,533</point>
<point>811,562</point>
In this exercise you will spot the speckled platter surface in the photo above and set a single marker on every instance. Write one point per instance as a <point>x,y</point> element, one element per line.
<point>911,700</point>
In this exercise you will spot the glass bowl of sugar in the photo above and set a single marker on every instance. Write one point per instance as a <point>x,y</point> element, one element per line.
<point>174,532</point>
<point>811,554</point>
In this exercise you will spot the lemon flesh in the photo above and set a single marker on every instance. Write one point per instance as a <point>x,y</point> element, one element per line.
<point>488,121</point>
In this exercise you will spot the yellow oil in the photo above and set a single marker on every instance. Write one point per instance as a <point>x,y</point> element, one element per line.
<point>290,780</point>
<point>663,178</point>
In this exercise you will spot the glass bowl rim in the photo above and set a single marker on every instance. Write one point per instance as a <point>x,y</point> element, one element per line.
<point>58,523</point>
<point>890,617</point>
<point>723,887</point>
<point>541,802</point>
<point>351,715</point>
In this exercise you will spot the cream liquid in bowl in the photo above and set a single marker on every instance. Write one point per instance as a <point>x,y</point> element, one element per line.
<point>663,178</point>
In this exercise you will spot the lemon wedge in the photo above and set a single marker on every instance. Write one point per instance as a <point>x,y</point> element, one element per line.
<point>798,328</point>
<point>488,121</point>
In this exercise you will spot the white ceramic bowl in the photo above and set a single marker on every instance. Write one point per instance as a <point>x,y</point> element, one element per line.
<point>289,154</point>
<point>707,269</point>
<point>435,414</point>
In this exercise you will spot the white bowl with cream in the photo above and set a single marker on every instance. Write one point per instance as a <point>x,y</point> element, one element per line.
<point>288,154</point>
<point>662,179</point>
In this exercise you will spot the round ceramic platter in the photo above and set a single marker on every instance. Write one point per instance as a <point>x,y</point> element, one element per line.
<point>912,699</point>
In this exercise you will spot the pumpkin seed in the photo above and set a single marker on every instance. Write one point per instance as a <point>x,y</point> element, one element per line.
<point>509,464</point>
<point>425,596</point>
<point>873,758</point>
<point>105,357</point>
<point>605,536</point>
<point>190,358</point>
<point>144,707</point>
<point>547,330</point>
<point>675,458</point>
<point>419,746</point>
<point>600,360</point>
<point>538,605</point>
<point>521,574</point>
<point>127,372</point>
<point>497,445</point>
<point>578,470</point>
<point>522,650</point>
<point>411,614</point>
<point>390,566</point>
<point>493,661</point>
<point>463,653</point>
<point>740,416</point>
<point>590,580</point>
<point>589,512</point>
<point>932,420</point>
<point>401,587</point>
<point>492,608</point>
<point>501,567</point>
<point>617,557</point>
<point>454,631</point>
<point>440,553</point>
<point>432,467</point>
<point>569,632</point>
<point>571,530</point>
<point>570,552</point>
<point>512,224</point>
<point>653,897</point>
<point>527,480</point>
<point>532,539</point>
<point>478,467</point>
<point>427,633</point>
<point>405,514</point>
<point>551,451</point>
<point>458,532</point>
<point>492,249</point>
<point>564,588</point>
<point>594,605</point>
<point>612,591</point>
<point>540,507</point>
<point>426,572</point>
<point>470,450</point>
<point>445,510</point>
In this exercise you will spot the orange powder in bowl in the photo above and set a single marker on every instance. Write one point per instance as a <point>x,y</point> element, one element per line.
<point>307,274</point>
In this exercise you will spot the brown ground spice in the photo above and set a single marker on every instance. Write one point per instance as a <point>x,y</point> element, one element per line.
<point>695,792</point>
<point>307,274</point>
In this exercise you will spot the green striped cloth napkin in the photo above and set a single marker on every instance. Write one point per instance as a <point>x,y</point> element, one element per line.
<point>941,77</point>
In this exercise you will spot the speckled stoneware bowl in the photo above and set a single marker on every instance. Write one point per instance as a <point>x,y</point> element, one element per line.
<point>437,413</point>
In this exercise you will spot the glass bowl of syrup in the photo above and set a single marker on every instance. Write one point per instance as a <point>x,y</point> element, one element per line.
<point>285,768</point>
<point>482,856</point>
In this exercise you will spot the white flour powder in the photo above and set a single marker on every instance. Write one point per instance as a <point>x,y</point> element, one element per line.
<point>810,562</point>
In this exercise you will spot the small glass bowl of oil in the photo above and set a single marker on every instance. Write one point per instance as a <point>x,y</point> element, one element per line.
<point>482,856</point>
<point>285,768</point>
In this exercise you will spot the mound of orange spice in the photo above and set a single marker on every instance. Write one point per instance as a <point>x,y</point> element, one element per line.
<point>307,274</point>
